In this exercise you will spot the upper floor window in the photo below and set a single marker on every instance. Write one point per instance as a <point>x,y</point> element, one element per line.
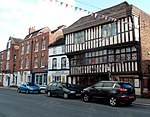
<point>54,63</point>
<point>28,48</point>
<point>1,56</point>
<point>54,50</point>
<point>21,63</point>
<point>1,66</point>
<point>42,61</point>
<point>8,44</point>
<point>22,50</point>
<point>7,65</point>
<point>35,62</point>
<point>109,30</point>
<point>8,55</point>
<point>36,46</point>
<point>43,44</point>
<point>63,49</point>
<point>15,57</point>
<point>63,62</point>
<point>27,62</point>
<point>79,37</point>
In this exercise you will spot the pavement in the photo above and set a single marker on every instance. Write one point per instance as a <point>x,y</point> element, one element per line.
<point>139,100</point>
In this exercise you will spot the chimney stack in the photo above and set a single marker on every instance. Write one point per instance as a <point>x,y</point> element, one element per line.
<point>31,29</point>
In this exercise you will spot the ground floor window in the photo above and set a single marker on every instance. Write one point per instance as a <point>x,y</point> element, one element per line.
<point>0,78</point>
<point>56,78</point>
<point>40,79</point>
<point>128,79</point>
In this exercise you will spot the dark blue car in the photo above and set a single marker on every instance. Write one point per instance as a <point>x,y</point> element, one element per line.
<point>28,88</point>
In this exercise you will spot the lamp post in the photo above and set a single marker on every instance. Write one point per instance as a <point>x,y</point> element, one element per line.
<point>109,72</point>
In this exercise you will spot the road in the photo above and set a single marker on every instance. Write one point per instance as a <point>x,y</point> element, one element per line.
<point>13,104</point>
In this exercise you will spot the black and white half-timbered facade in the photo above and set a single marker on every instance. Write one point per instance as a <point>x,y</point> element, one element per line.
<point>101,49</point>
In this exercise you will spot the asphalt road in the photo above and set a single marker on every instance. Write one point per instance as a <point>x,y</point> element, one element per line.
<point>13,104</point>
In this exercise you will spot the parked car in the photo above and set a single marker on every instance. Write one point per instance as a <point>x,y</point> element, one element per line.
<point>64,90</point>
<point>114,92</point>
<point>28,87</point>
<point>42,88</point>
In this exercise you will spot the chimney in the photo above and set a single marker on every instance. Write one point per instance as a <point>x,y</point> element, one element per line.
<point>31,29</point>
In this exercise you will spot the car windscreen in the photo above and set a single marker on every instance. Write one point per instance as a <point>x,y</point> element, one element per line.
<point>67,85</point>
<point>31,84</point>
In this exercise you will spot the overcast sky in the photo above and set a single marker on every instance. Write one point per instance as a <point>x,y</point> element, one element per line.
<point>16,16</point>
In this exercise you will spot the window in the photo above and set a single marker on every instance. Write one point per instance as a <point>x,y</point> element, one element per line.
<point>63,62</point>
<point>109,30</point>
<point>1,66</point>
<point>42,61</point>
<point>21,63</point>
<point>7,65</point>
<point>54,50</point>
<point>107,84</point>
<point>27,63</point>
<point>35,62</point>
<point>54,63</point>
<point>28,48</point>
<point>8,55</point>
<point>43,44</point>
<point>79,37</point>
<point>63,49</point>
<point>22,50</point>
<point>15,58</point>
<point>36,46</point>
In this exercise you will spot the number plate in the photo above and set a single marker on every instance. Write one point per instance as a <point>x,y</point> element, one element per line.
<point>131,96</point>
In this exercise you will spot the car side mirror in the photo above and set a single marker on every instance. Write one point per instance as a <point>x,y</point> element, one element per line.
<point>93,86</point>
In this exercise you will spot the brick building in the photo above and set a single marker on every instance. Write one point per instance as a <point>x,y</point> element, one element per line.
<point>10,62</point>
<point>2,65</point>
<point>26,60</point>
<point>34,54</point>
<point>99,48</point>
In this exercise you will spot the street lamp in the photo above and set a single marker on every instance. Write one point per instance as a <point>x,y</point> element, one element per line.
<point>109,73</point>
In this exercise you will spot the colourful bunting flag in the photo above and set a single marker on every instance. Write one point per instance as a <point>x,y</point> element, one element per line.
<point>66,5</point>
<point>61,3</point>
<point>98,16</point>
<point>76,8</point>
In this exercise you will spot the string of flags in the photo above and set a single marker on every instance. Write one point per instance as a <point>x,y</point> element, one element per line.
<point>96,15</point>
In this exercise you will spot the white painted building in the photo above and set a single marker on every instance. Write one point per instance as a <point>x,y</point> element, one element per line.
<point>58,63</point>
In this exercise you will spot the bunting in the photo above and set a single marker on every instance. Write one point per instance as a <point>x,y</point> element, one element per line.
<point>98,16</point>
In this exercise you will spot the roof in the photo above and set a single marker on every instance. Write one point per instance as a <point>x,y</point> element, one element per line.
<point>15,41</point>
<point>33,34</point>
<point>60,41</point>
<point>109,12</point>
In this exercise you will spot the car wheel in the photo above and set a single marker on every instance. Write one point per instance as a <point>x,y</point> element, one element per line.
<point>27,91</point>
<point>18,90</point>
<point>86,98</point>
<point>49,94</point>
<point>65,95</point>
<point>113,101</point>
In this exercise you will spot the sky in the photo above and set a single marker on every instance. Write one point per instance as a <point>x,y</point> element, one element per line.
<point>16,16</point>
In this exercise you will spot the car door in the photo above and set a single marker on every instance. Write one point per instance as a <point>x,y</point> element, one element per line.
<point>106,89</point>
<point>59,89</point>
<point>53,89</point>
<point>96,89</point>
<point>23,88</point>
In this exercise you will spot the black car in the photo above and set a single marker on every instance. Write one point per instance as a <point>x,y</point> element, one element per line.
<point>64,90</point>
<point>114,92</point>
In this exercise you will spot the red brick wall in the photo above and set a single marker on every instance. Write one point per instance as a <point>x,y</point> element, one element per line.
<point>145,40</point>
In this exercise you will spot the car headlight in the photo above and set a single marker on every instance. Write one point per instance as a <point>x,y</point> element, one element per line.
<point>72,92</point>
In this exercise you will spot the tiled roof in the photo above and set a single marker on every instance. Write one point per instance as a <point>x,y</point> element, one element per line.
<point>16,41</point>
<point>32,34</point>
<point>58,42</point>
<point>107,12</point>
